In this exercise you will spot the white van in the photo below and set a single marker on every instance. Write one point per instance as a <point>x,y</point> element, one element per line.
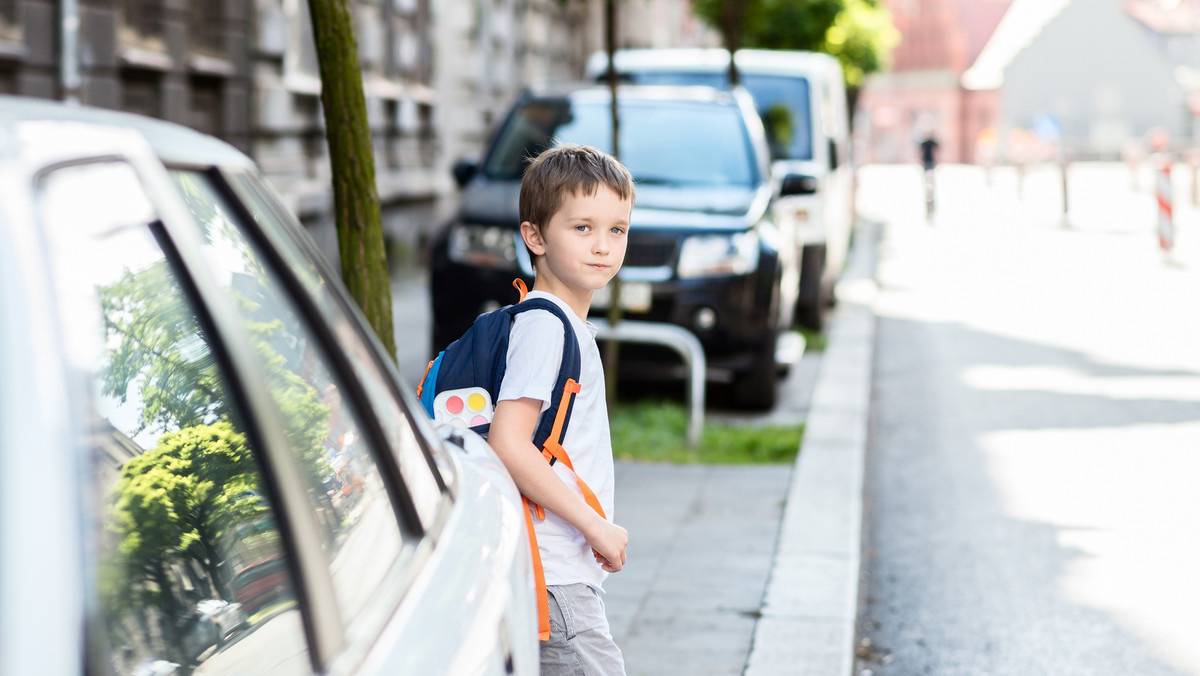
<point>801,98</point>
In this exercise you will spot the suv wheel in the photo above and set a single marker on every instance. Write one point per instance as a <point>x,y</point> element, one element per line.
<point>755,389</point>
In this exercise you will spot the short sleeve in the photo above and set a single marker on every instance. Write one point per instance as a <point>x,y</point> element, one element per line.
<point>534,356</point>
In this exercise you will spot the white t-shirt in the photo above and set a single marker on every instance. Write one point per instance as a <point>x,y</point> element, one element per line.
<point>534,356</point>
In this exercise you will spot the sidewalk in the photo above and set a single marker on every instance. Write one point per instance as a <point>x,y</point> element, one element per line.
<point>754,569</point>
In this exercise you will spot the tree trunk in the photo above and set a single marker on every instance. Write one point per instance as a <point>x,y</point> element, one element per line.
<point>731,33</point>
<point>612,349</point>
<point>355,198</point>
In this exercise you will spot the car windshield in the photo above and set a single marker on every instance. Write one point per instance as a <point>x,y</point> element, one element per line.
<point>663,142</point>
<point>782,102</point>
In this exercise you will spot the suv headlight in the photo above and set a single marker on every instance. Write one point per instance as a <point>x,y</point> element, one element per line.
<point>716,255</point>
<point>483,245</point>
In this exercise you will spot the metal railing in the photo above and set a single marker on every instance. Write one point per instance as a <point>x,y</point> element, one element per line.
<point>677,338</point>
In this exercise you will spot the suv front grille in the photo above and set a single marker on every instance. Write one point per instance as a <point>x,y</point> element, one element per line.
<point>648,251</point>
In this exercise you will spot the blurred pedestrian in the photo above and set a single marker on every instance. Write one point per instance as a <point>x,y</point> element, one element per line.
<point>928,148</point>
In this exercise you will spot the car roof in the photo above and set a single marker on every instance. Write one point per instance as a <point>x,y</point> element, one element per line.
<point>708,59</point>
<point>628,92</point>
<point>173,143</point>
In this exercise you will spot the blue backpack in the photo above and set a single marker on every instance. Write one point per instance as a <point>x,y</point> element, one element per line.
<point>461,384</point>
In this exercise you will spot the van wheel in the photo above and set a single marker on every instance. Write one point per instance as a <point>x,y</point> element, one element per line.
<point>811,315</point>
<point>814,294</point>
<point>756,389</point>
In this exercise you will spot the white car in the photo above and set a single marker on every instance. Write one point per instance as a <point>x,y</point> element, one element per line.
<point>194,414</point>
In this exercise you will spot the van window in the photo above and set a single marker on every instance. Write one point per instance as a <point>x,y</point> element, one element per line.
<point>782,102</point>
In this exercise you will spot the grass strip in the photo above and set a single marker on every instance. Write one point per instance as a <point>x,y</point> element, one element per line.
<point>656,431</point>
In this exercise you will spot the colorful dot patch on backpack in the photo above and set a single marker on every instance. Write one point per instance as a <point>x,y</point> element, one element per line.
<point>464,407</point>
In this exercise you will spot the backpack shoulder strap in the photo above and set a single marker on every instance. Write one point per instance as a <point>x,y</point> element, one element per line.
<point>554,419</point>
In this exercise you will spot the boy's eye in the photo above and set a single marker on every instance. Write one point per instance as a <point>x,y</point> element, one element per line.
<point>582,228</point>
<point>617,230</point>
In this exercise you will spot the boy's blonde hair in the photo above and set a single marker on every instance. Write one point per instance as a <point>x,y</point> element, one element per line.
<point>569,169</point>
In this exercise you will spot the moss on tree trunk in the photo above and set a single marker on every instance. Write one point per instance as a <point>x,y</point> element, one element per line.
<point>355,198</point>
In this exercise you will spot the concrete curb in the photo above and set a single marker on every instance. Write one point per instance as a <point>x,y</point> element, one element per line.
<point>810,608</point>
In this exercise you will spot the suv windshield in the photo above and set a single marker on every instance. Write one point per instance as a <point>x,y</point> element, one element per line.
<point>782,102</point>
<point>663,142</point>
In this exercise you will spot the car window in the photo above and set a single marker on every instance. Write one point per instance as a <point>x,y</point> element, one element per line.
<point>361,532</point>
<point>674,143</point>
<point>188,570</point>
<point>782,102</point>
<point>402,425</point>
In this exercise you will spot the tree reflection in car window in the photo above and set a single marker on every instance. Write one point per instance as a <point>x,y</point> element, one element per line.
<point>355,517</point>
<point>180,522</point>
<point>399,427</point>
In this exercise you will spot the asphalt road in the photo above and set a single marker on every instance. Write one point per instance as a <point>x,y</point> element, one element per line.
<point>1031,503</point>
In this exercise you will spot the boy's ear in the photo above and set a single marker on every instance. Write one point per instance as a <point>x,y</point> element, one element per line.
<point>533,238</point>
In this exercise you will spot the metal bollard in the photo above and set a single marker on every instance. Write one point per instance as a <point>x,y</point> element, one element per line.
<point>677,338</point>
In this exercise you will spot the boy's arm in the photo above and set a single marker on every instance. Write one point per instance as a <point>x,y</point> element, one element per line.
<point>512,428</point>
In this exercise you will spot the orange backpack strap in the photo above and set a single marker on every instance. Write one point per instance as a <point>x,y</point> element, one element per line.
<point>553,449</point>
<point>543,600</point>
<point>519,285</point>
<point>421,387</point>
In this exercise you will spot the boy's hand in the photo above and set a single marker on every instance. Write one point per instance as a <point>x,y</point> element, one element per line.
<point>608,541</point>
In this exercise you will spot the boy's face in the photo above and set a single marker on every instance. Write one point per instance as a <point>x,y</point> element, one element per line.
<point>583,245</point>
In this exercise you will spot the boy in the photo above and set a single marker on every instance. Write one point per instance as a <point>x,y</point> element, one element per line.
<point>575,205</point>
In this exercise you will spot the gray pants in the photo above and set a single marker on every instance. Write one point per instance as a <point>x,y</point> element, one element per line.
<point>580,642</point>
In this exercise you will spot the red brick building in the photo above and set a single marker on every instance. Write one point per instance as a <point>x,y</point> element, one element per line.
<point>922,91</point>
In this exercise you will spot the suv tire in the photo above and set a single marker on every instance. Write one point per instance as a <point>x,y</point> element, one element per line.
<point>756,389</point>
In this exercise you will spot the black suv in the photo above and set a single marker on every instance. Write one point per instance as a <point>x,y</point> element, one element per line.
<point>703,252</point>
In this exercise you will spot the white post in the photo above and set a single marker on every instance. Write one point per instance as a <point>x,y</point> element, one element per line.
<point>69,78</point>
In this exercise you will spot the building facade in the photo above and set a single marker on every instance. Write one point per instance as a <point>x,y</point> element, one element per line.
<point>187,62</point>
<point>922,93</point>
<point>1109,72</point>
<point>437,77</point>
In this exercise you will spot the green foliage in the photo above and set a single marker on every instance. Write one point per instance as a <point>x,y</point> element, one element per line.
<point>786,24</point>
<point>814,341</point>
<point>177,501</point>
<point>862,38</point>
<point>656,431</point>
<point>858,32</point>
<point>160,351</point>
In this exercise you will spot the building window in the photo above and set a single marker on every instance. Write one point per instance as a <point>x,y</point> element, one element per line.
<point>427,135</point>
<point>140,92</point>
<point>145,17</point>
<point>10,31</point>
<point>391,135</point>
<point>207,105</point>
<point>206,26</point>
